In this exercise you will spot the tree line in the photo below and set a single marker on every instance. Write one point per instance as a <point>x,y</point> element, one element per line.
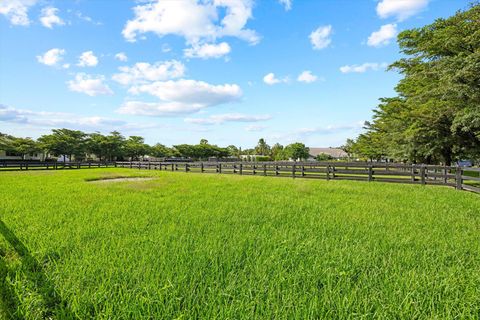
<point>78,145</point>
<point>435,117</point>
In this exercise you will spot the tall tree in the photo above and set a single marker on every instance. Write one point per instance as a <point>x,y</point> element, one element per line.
<point>435,117</point>
<point>135,147</point>
<point>24,146</point>
<point>64,142</point>
<point>297,151</point>
<point>262,147</point>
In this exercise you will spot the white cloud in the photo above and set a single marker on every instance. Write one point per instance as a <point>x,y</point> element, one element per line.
<point>166,48</point>
<point>255,128</point>
<point>207,51</point>
<point>363,67</point>
<point>142,72</point>
<point>228,117</point>
<point>90,85</point>
<point>180,97</point>
<point>320,38</point>
<point>121,56</point>
<point>287,4</point>
<point>59,119</point>
<point>16,11</point>
<point>271,79</point>
<point>401,9</point>
<point>330,129</point>
<point>52,57</point>
<point>87,59</point>
<point>307,77</point>
<point>49,17</point>
<point>87,18</point>
<point>157,109</point>
<point>383,36</point>
<point>196,21</point>
<point>190,92</point>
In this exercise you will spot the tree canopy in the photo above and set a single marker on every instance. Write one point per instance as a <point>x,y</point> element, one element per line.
<point>435,116</point>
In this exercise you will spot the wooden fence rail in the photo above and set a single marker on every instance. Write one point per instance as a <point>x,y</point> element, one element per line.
<point>34,165</point>
<point>460,178</point>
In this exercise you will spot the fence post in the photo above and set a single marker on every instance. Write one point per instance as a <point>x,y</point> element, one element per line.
<point>201,167</point>
<point>328,172</point>
<point>445,175</point>
<point>234,168</point>
<point>276,169</point>
<point>293,171</point>
<point>241,168</point>
<point>370,173</point>
<point>254,169</point>
<point>422,174</point>
<point>26,166</point>
<point>333,172</point>
<point>219,168</point>
<point>264,169</point>
<point>458,178</point>
<point>186,167</point>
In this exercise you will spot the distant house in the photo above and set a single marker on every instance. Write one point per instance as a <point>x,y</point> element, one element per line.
<point>7,155</point>
<point>335,153</point>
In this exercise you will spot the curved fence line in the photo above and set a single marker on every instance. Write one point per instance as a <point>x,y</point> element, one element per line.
<point>458,177</point>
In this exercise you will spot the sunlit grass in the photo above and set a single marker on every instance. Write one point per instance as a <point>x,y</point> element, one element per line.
<point>188,245</point>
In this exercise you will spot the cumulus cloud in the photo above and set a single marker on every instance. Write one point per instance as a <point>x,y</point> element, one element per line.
<point>383,36</point>
<point>121,56</point>
<point>142,72</point>
<point>52,57</point>
<point>90,85</point>
<point>321,37</point>
<point>87,59</point>
<point>180,97</point>
<point>207,51</point>
<point>59,119</point>
<point>307,77</point>
<point>190,92</point>
<point>228,117</point>
<point>49,17</point>
<point>401,9</point>
<point>16,11</point>
<point>374,66</point>
<point>196,21</point>
<point>271,79</point>
<point>287,4</point>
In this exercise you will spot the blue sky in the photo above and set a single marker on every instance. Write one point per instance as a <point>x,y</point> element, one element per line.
<point>175,71</point>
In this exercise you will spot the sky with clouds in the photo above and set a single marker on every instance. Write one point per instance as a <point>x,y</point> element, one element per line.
<point>230,71</point>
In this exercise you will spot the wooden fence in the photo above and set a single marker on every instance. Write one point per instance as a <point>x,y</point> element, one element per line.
<point>460,178</point>
<point>42,165</point>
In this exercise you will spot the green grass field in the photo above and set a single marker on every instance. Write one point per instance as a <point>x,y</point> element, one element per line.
<point>192,246</point>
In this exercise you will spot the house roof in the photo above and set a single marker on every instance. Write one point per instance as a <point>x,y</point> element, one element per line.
<point>334,152</point>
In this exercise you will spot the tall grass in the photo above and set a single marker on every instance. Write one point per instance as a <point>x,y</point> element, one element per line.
<point>230,247</point>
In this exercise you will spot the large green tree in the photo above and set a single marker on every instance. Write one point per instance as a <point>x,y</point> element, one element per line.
<point>297,151</point>
<point>64,142</point>
<point>436,115</point>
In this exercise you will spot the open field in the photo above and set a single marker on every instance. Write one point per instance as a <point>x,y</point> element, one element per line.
<point>187,245</point>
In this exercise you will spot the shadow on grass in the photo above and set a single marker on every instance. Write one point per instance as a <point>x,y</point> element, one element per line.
<point>55,306</point>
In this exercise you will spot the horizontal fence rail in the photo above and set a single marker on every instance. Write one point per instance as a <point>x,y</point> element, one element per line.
<point>43,165</point>
<point>460,178</point>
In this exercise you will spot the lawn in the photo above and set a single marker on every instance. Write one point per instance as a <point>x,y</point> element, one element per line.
<point>187,245</point>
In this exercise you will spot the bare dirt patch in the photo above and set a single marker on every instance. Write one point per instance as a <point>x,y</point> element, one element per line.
<point>119,179</point>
